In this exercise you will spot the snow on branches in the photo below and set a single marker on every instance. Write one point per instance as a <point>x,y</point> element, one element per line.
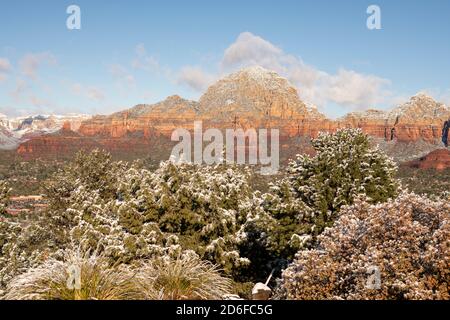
<point>403,241</point>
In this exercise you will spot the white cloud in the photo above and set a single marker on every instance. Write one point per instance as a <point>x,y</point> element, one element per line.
<point>91,92</point>
<point>121,74</point>
<point>5,68</point>
<point>40,102</point>
<point>95,94</point>
<point>144,61</point>
<point>20,89</point>
<point>195,78</point>
<point>140,50</point>
<point>347,87</point>
<point>252,50</point>
<point>30,63</point>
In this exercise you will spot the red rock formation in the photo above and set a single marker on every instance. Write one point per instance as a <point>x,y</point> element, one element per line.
<point>65,143</point>
<point>438,159</point>
<point>421,118</point>
<point>66,126</point>
<point>160,118</point>
<point>251,98</point>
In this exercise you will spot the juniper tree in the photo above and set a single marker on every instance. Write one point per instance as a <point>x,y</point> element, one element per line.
<point>308,200</point>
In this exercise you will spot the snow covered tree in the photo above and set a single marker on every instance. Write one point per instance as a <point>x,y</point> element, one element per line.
<point>203,208</point>
<point>308,200</point>
<point>22,247</point>
<point>26,245</point>
<point>95,171</point>
<point>129,214</point>
<point>393,250</point>
<point>345,165</point>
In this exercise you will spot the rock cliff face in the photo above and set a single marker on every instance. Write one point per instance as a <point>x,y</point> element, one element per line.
<point>251,98</point>
<point>144,120</point>
<point>419,119</point>
<point>258,98</point>
<point>65,143</point>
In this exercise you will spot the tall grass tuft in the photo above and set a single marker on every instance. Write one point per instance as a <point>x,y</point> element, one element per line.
<point>97,281</point>
<point>184,278</point>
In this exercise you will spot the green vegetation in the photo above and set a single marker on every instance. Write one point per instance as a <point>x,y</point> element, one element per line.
<point>183,231</point>
<point>308,200</point>
<point>429,182</point>
<point>5,191</point>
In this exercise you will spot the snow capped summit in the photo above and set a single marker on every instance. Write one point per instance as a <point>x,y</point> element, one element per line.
<point>420,107</point>
<point>264,77</point>
<point>254,92</point>
<point>14,131</point>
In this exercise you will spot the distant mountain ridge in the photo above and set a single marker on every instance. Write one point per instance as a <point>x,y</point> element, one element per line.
<point>256,98</point>
<point>14,131</point>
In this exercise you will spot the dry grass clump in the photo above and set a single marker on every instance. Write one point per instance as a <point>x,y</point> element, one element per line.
<point>97,281</point>
<point>184,278</point>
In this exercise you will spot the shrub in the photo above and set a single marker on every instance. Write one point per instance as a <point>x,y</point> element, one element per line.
<point>406,239</point>
<point>203,207</point>
<point>129,214</point>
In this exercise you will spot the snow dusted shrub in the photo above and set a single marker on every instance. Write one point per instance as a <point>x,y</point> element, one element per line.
<point>183,278</point>
<point>99,225</point>
<point>202,208</point>
<point>130,213</point>
<point>56,280</point>
<point>22,247</point>
<point>4,196</point>
<point>95,172</point>
<point>81,210</point>
<point>406,240</point>
<point>345,165</point>
<point>310,197</point>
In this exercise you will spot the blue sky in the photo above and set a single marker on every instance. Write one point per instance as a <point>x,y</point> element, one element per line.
<point>130,52</point>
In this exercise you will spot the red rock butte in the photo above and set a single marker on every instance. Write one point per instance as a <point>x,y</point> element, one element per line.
<point>438,159</point>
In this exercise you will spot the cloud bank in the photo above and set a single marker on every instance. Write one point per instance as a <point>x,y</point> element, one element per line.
<point>347,88</point>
